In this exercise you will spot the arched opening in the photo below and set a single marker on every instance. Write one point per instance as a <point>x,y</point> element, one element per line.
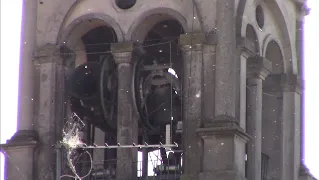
<point>274,54</point>
<point>272,113</point>
<point>92,91</point>
<point>158,95</point>
<point>252,36</point>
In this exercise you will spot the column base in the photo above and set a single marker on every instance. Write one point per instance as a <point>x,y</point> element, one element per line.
<point>223,150</point>
<point>22,138</point>
<point>19,154</point>
<point>304,173</point>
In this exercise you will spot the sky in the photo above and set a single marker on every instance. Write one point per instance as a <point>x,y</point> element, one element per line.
<point>10,40</point>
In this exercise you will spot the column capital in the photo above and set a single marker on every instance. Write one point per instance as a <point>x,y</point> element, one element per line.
<point>122,52</point>
<point>246,46</point>
<point>47,54</point>
<point>286,82</point>
<point>192,41</point>
<point>302,9</point>
<point>258,67</point>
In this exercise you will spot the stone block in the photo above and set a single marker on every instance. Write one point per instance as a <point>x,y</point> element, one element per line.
<point>190,39</point>
<point>122,47</point>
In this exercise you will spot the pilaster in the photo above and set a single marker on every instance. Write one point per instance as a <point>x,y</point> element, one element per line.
<point>209,67</point>
<point>127,125</point>
<point>258,69</point>
<point>46,58</point>
<point>19,150</point>
<point>192,52</point>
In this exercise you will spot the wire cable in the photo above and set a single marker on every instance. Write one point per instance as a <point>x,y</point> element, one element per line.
<point>76,176</point>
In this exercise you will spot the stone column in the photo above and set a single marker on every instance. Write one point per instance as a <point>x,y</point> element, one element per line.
<point>209,67</point>
<point>291,126</point>
<point>223,139</point>
<point>258,69</point>
<point>127,125</point>
<point>225,89</point>
<point>302,11</point>
<point>19,149</point>
<point>282,125</point>
<point>192,46</point>
<point>246,49</point>
<point>47,58</point>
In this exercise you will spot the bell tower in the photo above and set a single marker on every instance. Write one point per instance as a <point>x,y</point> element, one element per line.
<point>196,90</point>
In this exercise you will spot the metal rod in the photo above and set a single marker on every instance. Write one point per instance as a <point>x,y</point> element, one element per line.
<point>106,146</point>
<point>58,164</point>
<point>168,134</point>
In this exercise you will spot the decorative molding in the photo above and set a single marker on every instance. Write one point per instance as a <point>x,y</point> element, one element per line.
<point>258,67</point>
<point>246,46</point>
<point>122,52</point>
<point>283,83</point>
<point>301,9</point>
<point>20,140</point>
<point>223,125</point>
<point>46,54</point>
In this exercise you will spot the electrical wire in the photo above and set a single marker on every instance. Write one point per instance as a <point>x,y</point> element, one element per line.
<point>104,52</point>
<point>76,176</point>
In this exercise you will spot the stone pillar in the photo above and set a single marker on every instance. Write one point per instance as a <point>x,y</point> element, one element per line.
<point>19,149</point>
<point>225,89</point>
<point>192,47</point>
<point>258,69</point>
<point>282,126</point>
<point>26,73</point>
<point>47,59</point>
<point>291,126</point>
<point>223,139</point>
<point>246,49</point>
<point>209,67</point>
<point>302,11</point>
<point>127,125</point>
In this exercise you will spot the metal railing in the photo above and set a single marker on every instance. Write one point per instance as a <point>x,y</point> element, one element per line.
<point>106,169</point>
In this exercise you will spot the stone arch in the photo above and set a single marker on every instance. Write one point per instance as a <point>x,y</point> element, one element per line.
<point>71,35</point>
<point>272,108</point>
<point>273,52</point>
<point>278,11</point>
<point>239,16</point>
<point>148,19</point>
<point>251,34</point>
<point>85,23</point>
<point>61,11</point>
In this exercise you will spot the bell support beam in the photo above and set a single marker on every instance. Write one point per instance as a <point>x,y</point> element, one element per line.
<point>127,122</point>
